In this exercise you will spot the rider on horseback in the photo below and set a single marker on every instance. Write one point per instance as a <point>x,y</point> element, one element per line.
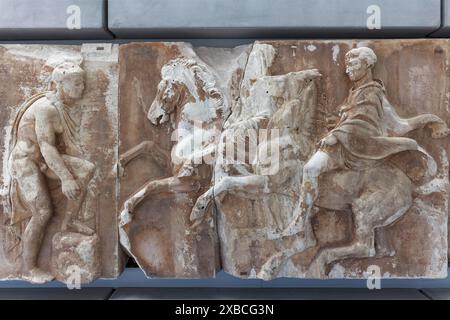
<point>360,140</point>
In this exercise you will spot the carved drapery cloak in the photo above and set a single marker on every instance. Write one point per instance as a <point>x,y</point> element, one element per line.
<point>370,130</point>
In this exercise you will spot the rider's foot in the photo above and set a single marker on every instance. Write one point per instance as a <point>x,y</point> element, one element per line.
<point>37,275</point>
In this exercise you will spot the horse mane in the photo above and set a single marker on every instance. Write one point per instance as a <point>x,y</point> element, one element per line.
<point>197,77</point>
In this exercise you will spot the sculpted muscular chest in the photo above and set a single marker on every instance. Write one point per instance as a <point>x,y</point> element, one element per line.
<point>40,124</point>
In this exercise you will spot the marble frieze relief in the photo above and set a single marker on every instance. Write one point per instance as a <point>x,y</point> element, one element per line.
<point>59,140</point>
<point>307,159</point>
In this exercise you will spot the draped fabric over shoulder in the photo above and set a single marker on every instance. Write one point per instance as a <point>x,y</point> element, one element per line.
<point>370,130</point>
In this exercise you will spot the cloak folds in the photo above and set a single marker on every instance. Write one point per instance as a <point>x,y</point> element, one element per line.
<point>370,129</point>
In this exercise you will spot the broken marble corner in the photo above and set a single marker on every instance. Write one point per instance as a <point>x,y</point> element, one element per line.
<point>59,125</point>
<point>384,204</point>
<point>371,196</point>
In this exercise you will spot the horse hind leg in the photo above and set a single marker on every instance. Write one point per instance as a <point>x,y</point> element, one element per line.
<point>372,212</point>
<point>366,213</point>
<point>361,247</point>
<point>383,244</point>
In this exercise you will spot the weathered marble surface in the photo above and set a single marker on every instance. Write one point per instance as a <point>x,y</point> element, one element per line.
<point>172,159</point>
<point>87,242</point>
<point>415,74</point>
<point>158,152</point>
<point>293,89</point>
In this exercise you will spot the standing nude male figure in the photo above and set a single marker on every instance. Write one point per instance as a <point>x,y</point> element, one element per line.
<point>42,131</point>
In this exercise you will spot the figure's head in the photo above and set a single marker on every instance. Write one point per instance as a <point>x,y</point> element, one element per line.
<point>359,62</point>
<point>69,80</point>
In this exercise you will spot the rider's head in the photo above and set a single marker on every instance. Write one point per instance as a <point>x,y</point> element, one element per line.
<point>359,62</point>
<point>69,80</point>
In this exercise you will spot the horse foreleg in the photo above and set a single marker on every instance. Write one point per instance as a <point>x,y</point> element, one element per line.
<point>145,147</point>
<point>383,245</point>
<point>169,185</point>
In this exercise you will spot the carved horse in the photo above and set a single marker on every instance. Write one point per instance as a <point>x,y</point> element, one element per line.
<point>187,96</point>
<point>292,101</point>
<point>374,202</point>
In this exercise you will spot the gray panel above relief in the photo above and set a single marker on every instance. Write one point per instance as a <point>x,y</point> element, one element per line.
<point>50,19</point>
<point>265,18</point>
<point>444,31</point>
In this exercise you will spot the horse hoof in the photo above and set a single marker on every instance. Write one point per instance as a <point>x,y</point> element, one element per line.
<point>126,215</point>
<point>38,276</point>
<point>195,224</point>
<point>270,268</point>
<point>196,215</point>
<point>264,275</point>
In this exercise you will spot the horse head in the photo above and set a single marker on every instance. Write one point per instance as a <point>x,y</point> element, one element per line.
<point>169,95</point>
<point>183,81</point>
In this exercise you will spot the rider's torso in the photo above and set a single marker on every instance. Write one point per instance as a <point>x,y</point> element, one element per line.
<point>360,105</point>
